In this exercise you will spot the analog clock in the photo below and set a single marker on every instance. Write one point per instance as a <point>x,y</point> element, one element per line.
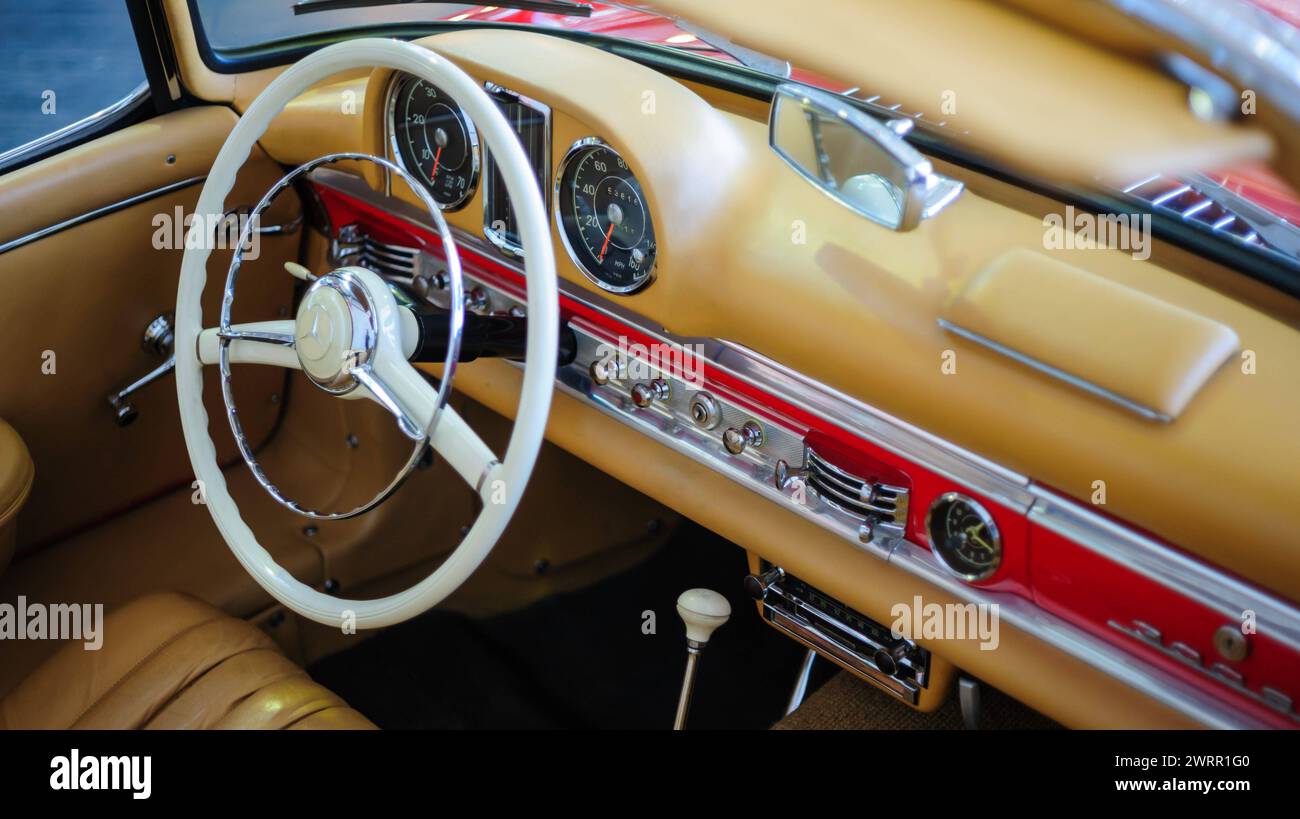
<point>964,537</point>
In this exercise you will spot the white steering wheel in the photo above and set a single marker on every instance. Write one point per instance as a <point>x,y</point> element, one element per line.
<point>351,338</point>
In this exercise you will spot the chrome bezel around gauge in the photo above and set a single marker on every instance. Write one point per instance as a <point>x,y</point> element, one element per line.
<point>504,245</point>
<point>985,518</point>
<point>395,154</point>
<point>574,149</point>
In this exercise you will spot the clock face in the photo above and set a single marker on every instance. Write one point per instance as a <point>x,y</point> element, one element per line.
<point>964,537</point>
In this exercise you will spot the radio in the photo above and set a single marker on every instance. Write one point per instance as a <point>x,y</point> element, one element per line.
<point>868,649</point>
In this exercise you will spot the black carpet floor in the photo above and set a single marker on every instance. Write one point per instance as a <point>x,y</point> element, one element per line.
<point>578,660</point>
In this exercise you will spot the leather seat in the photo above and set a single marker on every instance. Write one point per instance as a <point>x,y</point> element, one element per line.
<point>170,661</point>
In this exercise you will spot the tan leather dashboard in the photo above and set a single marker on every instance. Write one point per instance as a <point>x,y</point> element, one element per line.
<point>749,252</point>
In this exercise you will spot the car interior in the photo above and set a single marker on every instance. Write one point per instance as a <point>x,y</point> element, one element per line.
<point>659,365</point>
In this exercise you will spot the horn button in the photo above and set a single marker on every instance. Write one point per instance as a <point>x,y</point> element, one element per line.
<point>334,331</point>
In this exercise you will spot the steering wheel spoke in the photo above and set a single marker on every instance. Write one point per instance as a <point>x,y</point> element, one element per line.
<point>259,342</point>
<point>379,391</point>
<point>403,390</point>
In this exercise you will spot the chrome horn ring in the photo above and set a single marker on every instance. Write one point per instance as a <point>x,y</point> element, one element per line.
<point>349,294</point>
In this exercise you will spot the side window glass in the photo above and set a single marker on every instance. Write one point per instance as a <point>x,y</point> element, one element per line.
<point>61,62</point>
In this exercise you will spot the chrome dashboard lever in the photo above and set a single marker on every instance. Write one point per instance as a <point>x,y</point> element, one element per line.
<point>159,338</point>
<point>125,412</point>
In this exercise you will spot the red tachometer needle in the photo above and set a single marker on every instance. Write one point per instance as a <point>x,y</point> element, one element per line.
<point>437,156</point>
<point>604,247</point>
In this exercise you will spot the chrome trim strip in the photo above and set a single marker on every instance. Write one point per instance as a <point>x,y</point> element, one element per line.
<point>1055,372</point>
<point>1198,582</point>
<point>98,212</point>
<point>135,95</point>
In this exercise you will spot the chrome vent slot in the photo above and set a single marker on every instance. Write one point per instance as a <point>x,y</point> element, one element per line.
<point>353,246</point>
<point>881,505</point>
<point>395,261</point>
<point>1202,200</point>
<point>1187,203</point>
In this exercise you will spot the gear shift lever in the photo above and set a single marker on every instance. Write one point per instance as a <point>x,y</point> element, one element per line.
<point>702,610</point>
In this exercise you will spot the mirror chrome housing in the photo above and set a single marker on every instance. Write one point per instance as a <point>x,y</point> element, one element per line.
<point>863,164</point>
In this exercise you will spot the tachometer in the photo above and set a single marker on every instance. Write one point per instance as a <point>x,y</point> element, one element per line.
<point>434,140</point>
<point>604,218</point>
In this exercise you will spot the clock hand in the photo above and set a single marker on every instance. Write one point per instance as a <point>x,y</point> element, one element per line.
<point>972,532</point>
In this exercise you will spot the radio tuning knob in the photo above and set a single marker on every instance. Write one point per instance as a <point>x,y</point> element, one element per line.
<point>757,585</point>
<point>889,660</point>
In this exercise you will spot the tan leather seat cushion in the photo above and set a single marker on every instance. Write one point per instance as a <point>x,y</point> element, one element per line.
<point>16,475</point>
<point>170,661</point>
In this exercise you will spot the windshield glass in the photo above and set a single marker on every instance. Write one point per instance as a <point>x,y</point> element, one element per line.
<point>226,22</point>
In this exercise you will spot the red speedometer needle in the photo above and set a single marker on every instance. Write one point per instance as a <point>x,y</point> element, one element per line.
<point>604,247</point>
<point>437,156</point>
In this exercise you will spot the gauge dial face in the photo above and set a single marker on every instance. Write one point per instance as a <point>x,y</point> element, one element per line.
<point>964,537</point>
<point>435,141</point>
<point>604,218</point>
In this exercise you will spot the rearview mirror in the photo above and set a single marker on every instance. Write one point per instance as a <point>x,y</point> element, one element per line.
<point>864,164</point>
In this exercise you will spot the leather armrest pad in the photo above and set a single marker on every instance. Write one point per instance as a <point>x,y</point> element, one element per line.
<point>1097,334</point>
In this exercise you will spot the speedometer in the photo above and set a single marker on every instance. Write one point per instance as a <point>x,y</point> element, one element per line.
<point>604,218</point>
<point>434,140</point>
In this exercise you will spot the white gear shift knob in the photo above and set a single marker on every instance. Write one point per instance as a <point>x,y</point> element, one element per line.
<point>702,610</point>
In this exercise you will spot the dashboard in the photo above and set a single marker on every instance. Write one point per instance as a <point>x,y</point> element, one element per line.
<point>675,228</point>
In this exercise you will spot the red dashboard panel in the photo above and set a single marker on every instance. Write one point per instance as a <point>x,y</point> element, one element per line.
<point>1104,597</point>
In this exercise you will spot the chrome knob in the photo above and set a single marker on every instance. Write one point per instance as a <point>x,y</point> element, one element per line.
<point>159,336</point>
<point>758,585</point>
<point>476,299</point>
<point>736,440</point>
<point>124,413</point>
<point>603,370</point>
<point>645,393</point>
<point>888,660</point>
